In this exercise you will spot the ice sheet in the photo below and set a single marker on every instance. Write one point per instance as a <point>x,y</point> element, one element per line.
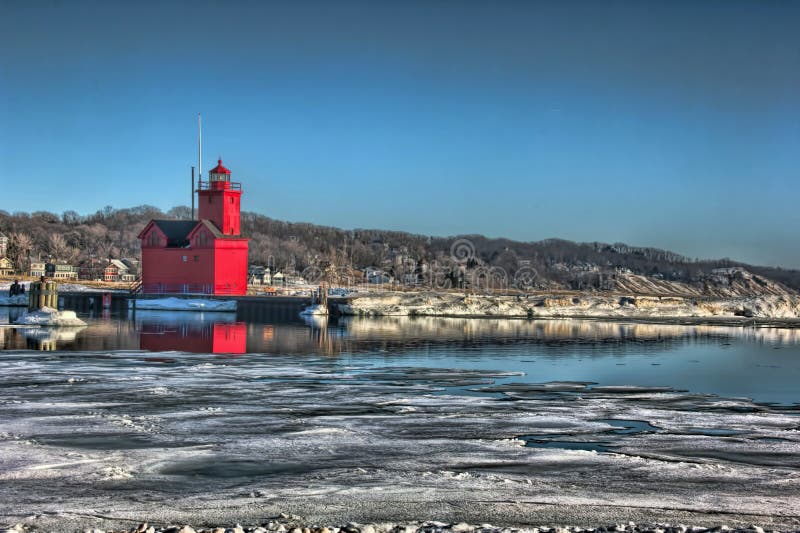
<point>125,434</point>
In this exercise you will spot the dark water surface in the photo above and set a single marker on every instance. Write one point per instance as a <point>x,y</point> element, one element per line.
<point>758,363</point>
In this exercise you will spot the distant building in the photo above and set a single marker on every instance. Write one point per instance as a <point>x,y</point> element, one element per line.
<point>111,273</point>
<point>293,279</point>
<point>731,271</point>
<point>6,267</point>
<point>65,271</point>
<point>3,245</point>
<point>377,276</point>
<point>133,265</point>
<point>118,270</point>
<point>259,275</point>
<point>206,256</point>
<point>39,269</point>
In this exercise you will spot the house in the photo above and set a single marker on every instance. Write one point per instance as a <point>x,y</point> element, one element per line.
<point>65,271</point>
<point>114,270</point>
<point>207,256</point>
<point>731,271</point>
<point>294,279</point>
<point>111,273</point>
<point>39,269</point>
<point>259,275</point>
<point>6,267</point>
<point>133,265</point>
<point>118,270</point>
<point>376,275</point>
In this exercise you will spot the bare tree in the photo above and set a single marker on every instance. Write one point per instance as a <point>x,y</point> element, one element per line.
<point>61,251</point>
<point>19,250</point>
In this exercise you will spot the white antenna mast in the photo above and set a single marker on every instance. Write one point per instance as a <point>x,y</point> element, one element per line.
<point>199,148</point>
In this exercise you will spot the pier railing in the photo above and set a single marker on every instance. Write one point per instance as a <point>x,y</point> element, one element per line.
<point>186,288</point>
<point>136,287</point>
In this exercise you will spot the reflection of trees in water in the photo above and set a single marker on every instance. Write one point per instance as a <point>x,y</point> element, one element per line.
<point>293,339</point>
<point>405,333</point>
<point>573,330</point>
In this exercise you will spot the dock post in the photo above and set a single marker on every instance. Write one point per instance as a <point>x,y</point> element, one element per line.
<point>51,294</point>
<point>42,294</point>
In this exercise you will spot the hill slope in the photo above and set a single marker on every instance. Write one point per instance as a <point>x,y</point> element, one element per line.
<point>437,262</point>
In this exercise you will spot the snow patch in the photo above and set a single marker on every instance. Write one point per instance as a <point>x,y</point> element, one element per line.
<point>47,316</point>
<point>183,304</point>
<point>315,310</point>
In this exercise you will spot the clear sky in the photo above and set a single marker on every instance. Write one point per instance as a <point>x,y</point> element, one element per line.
<point>673,124</point>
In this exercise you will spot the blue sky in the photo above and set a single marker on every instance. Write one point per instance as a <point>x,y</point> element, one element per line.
<point>668,124</point>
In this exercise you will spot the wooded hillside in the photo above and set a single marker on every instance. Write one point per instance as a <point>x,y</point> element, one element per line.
<point>89,240</point>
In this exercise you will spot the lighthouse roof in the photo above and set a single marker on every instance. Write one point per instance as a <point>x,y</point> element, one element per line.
<point>176,231</point>
<point>219,169</point>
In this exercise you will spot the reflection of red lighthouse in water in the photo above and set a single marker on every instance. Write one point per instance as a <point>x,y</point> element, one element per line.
<point>219,337</point>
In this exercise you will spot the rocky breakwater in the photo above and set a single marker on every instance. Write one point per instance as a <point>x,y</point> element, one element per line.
<point>784,307</point>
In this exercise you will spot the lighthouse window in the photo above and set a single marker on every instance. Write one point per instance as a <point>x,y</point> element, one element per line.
<point>184,258</point>
<point>152,239</point>
<point>231,200</point>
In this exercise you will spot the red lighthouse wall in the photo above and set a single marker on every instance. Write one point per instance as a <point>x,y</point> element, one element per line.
<point>220,205</point>
<point>230,268</point>
<point>218,270</point>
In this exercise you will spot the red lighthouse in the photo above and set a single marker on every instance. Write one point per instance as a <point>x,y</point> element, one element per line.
<point>218,200</point>
<point>205,256</point>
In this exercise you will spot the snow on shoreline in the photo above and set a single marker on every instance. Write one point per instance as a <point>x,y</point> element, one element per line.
<point>65,287</point>
<point>47,316</point>
<point>183,304</point>
<point>577,306</point>
<point>22,299</point>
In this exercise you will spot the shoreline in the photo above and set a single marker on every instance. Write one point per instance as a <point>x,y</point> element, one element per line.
<point>762,311</point>
<point>781,323</point>
<point>285,523</point>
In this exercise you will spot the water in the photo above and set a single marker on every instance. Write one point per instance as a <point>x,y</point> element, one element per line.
<point>762,363</point>
<point>136,410</point>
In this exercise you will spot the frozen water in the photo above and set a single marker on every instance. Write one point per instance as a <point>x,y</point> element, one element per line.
<point>358,420</point>
<point>97,428</point>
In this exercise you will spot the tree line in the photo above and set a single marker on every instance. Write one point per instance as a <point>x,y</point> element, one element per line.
<point>88,241</point>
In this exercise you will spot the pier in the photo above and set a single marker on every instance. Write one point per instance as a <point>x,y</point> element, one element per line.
<point>248,308</point>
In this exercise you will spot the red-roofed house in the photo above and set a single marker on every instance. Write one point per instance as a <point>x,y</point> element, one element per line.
<point>205,256</point>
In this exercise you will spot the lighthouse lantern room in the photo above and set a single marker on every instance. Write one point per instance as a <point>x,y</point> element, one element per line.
<point>205,256</point>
